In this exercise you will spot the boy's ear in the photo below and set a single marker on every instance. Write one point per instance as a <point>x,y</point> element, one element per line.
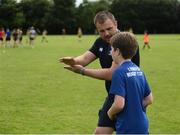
<point>119,52</point>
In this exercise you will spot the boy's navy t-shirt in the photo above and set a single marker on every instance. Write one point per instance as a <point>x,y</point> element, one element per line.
<point>129,82</point>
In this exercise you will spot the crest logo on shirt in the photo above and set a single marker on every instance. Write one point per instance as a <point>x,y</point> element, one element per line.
<point>110,52</point>
<point>100,49</point>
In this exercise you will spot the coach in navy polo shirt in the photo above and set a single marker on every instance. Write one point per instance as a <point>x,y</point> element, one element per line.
<point>106,25</point>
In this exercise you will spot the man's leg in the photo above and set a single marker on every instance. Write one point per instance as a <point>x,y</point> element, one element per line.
<point>105,125</point>
<point>103,130</point>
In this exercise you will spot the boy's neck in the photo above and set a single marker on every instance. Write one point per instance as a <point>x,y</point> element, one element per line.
<point>122,61</point>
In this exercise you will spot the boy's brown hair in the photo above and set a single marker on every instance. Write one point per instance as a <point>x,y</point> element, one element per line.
<point>126,43</point>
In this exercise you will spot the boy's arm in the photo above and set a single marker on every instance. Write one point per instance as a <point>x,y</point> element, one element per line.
<point>102,74</point>
<point>148,100</point>
<point>116,107</point>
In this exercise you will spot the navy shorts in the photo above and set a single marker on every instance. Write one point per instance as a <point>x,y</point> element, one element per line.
<point>104,120</point>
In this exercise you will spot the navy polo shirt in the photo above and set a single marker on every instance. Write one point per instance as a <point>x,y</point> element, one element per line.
<point>102,50</point>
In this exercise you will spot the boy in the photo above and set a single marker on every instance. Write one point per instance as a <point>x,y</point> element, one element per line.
<point>129,87</point>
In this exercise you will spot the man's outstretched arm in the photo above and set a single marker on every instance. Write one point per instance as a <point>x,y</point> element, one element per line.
<point>83,59</point>
<point>102,74</point>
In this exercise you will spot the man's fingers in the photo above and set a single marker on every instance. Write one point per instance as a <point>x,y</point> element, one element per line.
<point>68,67</point>
<point>67,60</point>
<point>61,59</point>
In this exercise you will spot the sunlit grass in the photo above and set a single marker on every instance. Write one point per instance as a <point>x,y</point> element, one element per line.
<point>39,96</point>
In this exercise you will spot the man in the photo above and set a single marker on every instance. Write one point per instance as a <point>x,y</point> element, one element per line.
<point>106,25</point>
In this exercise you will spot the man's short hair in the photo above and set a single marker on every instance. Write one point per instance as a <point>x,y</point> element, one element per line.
<point>102,16</point>
<point>126,43</point>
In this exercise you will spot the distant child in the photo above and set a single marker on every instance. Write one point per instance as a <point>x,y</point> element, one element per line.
<point>2,35</point>
<point>32,36</point>
<point>20,36</point>
<point>79,33</point>
<point>129,87</point>
<point>27,36</point>
<point>44,36</point>
<point>8,38</point>
<point>64,31</point>
<point>146,40</point>
<point>15,37</point>
<point>130,30</point>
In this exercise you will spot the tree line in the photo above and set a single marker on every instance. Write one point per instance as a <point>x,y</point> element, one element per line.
<point>156,16</point>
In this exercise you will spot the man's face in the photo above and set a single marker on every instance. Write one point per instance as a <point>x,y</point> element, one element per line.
<point>107,29</point>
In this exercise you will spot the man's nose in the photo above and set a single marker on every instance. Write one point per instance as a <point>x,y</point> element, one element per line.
<point>106,33</point>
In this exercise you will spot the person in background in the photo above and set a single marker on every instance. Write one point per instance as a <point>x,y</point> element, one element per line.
<point>63,31</point>
<point>8,38</point>
<point>27,36</point>
<point>20,36</point>
<point>15,37</point>
<point>2,35</point>
<point>32,36</point>
<point>79,33</point>
<point>146,40</point>
<point>44,36</point>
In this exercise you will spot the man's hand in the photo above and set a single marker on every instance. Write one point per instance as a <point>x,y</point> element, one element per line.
<point>74,68</point>
<point>67,60</point>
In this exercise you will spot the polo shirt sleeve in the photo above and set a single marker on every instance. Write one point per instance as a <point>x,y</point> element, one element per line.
<point>147,88</point>
<point>136,58</point>
<point>95,48</point>
<point>118,84</point>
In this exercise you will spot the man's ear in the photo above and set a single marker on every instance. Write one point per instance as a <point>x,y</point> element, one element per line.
<point>116,23</point>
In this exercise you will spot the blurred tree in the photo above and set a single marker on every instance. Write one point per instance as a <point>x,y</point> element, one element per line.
<point>153,15</point>
<point>88,10</point>
<point>63,16</point>
<point>34,12</point>
<point>158,16</point>
<point>8,12</point>
<point>20,19</point>
<point>84,16</point>
<point>178,16</point>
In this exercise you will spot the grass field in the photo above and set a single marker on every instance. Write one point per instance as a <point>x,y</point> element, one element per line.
<point>39,96</point>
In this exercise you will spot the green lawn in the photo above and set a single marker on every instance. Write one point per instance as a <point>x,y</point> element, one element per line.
<point>39,96</point>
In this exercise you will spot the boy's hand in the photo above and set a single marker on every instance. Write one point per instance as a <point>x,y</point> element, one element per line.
<point>67,60</point>
<point>111,117</point>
